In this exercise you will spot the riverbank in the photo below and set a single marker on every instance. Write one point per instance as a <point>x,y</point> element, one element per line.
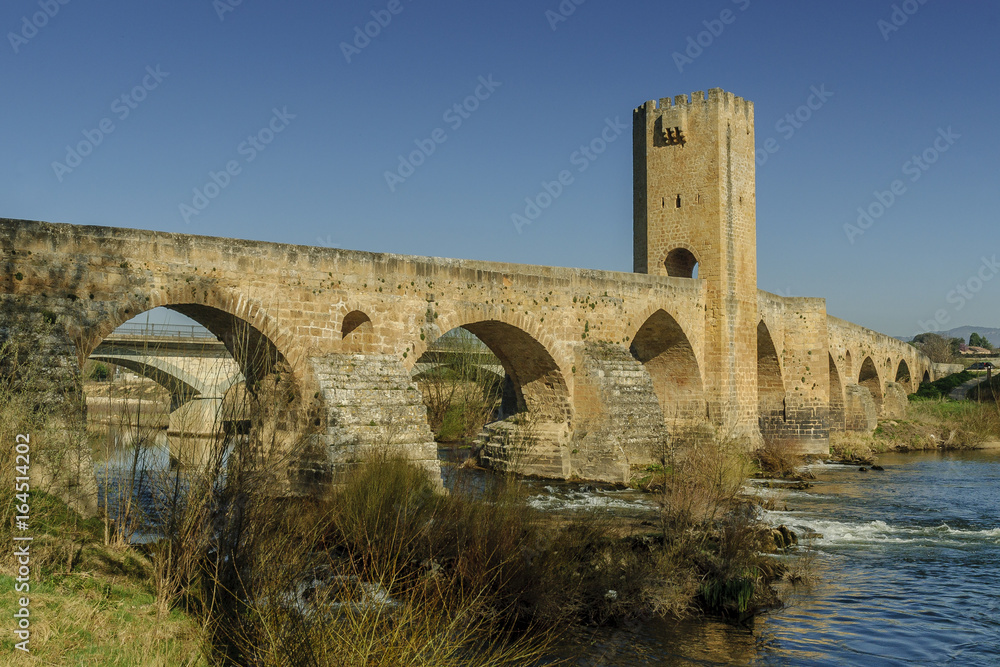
<point>930,424</point>
<point>91,603</point>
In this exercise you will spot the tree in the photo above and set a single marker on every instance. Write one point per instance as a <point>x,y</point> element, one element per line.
<point>934,346</point>
<point>975,340</point>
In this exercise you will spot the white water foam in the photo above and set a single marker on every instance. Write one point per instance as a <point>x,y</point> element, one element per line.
<point>575,500</point>
<point>879,532</point>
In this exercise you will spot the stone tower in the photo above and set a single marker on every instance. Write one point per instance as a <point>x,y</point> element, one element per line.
<point>694,206</point>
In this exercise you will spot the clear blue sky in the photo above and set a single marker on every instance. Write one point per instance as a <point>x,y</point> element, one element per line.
<point>220,76</point>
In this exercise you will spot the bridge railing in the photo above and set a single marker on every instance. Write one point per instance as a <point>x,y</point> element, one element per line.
<point>172,331</point>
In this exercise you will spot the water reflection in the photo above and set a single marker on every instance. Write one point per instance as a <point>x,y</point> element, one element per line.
<point>141,476</point>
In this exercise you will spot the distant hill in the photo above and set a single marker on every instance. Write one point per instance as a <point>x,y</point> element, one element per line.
<point>992,335</point>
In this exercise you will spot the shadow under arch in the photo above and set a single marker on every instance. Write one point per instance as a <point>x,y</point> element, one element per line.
<point>250,334</point>
<point>868,377</point>
<point>838,415</point>
<point>663,348</point>
<point>903,375</point>
<point>771,414</point>
<point>538,382</point>
<point>535,406</point>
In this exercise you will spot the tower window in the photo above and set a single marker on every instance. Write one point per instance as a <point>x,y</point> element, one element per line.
<point>678,201</point>
<point>681,263</point>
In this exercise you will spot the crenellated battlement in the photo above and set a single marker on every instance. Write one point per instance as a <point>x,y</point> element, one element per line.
<point>698,101</point>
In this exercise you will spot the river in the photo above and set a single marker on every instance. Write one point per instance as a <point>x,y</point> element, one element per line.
<point>903,570</point>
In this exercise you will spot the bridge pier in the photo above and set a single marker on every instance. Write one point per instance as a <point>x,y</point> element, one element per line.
<point>861,412</point>
<point>40,369</point>
<point>372,405</point>
<point>618,420</point>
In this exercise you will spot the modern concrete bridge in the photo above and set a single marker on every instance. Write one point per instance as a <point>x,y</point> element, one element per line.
<point>605,365</point>
<point>190,362</point>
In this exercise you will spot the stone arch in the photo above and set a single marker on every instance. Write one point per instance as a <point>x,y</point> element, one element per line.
<point>848,364</point>
<point>903,376</point>
<point>926,377</point>
<point>680,263</point>
<point>838,415</point>
<point>539,384</point>
<point>663,348</point>
<point>243,325</point>
<point>462,316</point>
<point>868,377</point>
<point>531,439</point>
<point>357,331</point>
<point>268,357</point>
<point>770,386</point>
<point>355,322</point>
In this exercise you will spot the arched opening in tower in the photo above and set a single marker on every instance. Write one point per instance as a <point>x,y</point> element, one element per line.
<point>681,263</point>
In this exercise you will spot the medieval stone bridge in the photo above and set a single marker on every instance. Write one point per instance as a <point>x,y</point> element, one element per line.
<point>605,365</point>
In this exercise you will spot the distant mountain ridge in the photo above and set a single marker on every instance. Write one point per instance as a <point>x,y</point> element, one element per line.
<point>991,334</point>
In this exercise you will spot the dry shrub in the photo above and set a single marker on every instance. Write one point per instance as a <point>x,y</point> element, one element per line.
<point>708,528</point>
<point>776,457</point>
<point>704,473</point>
<point>853,446</point>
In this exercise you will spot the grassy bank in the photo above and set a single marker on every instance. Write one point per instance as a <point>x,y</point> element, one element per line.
<point>386,571</point>
<point>91,603</point>
<point>933,422</point>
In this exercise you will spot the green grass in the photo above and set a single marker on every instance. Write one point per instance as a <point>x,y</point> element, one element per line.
<point>942,387</point>
<point>85,619</point>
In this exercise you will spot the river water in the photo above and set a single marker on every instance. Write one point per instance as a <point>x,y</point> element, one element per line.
<point>903,569</point>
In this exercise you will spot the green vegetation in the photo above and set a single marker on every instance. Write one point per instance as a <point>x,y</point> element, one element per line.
<point>462,389</point>
<point>975,340</point>
<point>942,387</point>
<point>93,603</point>
<point>933,421</point>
